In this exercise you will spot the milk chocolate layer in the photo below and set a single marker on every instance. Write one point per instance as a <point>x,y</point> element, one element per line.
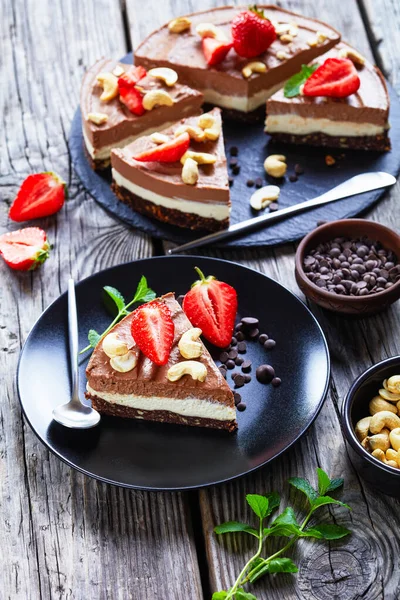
<point>166,178</point>
<point>148,379</point>
<point>121,123</point>
<point>183,52</point>
<point>370,104</point>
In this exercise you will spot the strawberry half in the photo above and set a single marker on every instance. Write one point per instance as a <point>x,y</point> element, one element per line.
<point>128,93</point>
<point>212,305</point>
<point>153,330</point>
<point>336,77</point>
<point>169,152</point>
<point>40,195</point>
<point>215,50</point>
<point>24,249</point>
<point>252,33</point>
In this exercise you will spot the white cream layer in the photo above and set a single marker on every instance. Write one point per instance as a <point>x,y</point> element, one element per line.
<point>187,407</point>
<point>105,151</point>
<point>208,210</point>
<point>242,103</point>
<point>294,124</point>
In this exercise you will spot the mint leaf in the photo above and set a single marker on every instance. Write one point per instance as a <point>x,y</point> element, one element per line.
<point>323,481</point>
<point>286,518</point>
<point>259,504</point>
<point>292,86</point>
<point>282,565</point>
<point>326,531</point>
<point>235,526</point>
<point>116,296</point>
<point>304,486</point>
<point>242,595</point>
<point>322,500</point>
<point>143,292</point>
<point>219,595</point>
<point>93,337</point>
<point>334,484</point>
<point>273,502</point>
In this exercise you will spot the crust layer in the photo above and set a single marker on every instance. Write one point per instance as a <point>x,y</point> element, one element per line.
<point>162,416</point>
<point>379,142</point>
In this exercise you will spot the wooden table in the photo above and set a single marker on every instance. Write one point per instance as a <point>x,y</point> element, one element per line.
<point>65,536</point>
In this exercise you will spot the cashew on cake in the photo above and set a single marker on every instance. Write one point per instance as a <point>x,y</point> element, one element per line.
<point>123,382</point>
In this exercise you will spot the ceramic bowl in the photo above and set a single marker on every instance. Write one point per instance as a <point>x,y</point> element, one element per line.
<point>349,228</point>
<point>384,478</point>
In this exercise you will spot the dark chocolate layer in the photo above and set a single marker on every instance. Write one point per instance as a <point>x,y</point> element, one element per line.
<point>378,142</point>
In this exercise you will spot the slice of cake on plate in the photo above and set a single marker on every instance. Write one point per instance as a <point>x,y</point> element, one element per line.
<point>120,103</point>
<point>177,175</point>
<point>343,103</point>
<point>176,381</point>
<point>209,52</point>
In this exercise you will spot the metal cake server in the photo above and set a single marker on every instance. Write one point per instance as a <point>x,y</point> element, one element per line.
<point>74,414</point>
<point>355,185</point>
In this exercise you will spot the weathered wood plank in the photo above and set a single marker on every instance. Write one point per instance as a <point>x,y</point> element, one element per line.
<point>64,535</point>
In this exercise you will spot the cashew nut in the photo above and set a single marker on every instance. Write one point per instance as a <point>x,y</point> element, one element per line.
<point>384,419</point>
<point>109,83</point>
<point>195,133</point>
<point>209,30</point>
<point>312,42</point>
<point>393,384</point>
<point>190,173</point>
<point>321,37</point>
<point>253,67</point>
<point>380,440</point>
<point>286,38</point>
<point>188,345</point>
<point>294,30</point>
<point>362,428</point>
<point>97,118</point>
<point>281,27</point>
<point>159,138</point>
<point>282,55</point>
<point>124,363</point>
<point>187,367</point>
<point>388,395</point>
<point>275,165</point>
<point>355,57</point>
<point>264,196</point>
<point>365,444</point>
<point>394,438</point>
<point>168,76</point>
<point>180,24</point>
<point>118,71</point>
<point>392,455</point>
<point>156,98</point>
<point>202,158</point>
<point>112,346</point>
<point>379,454</point>
<point>392,463</point>
<point>212,128</point>
<point>378,404</point>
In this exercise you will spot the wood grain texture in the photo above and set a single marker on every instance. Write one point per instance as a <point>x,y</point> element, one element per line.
<point>65,536</point>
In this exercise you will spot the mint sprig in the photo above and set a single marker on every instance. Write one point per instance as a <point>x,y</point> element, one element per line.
<point>293,85</point>
<point>143,294</point>
<point>284,525</point>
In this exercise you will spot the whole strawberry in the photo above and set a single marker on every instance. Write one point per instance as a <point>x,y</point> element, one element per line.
<point>212,305</point>
<point>252,32</point>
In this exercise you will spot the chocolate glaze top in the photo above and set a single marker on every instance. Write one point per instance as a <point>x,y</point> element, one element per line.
<point>370,104</point>
<point>121,123</point>
<point>182,52</point>
<point>166,178</point>
<point>147,379</point>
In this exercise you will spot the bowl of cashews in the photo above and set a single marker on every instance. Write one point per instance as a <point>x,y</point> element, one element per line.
<point>371,425</point>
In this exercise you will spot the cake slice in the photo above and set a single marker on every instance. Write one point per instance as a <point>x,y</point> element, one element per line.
<point>158,189</point>
<point>108,124</point>
<point>299,40</point>
<point>359,120</point>
<point>145,391</point>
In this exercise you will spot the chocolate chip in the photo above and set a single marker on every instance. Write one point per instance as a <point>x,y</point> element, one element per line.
<point>223,357</point>
<point>234,341</point>
<point>276,382</point>
<point>236,169</point>
<point>232,354</point>
<point>222,370</point>
<point>265,373</point>
<point>273,207</point>
<point>298,169</point>
<point>233,150</point>
<point>263,338</point>
<point>259,182</point>
<point>246,366</point>
<point>233,162</point>
<point>253,334</point>
<point>230,364</point>
<point>237,397</point>
<point>250,182</point>
<point>247,378</point>
<point>269,344</point>
<point>242,347</point>
<point>241,406</point>
<point>239,381</point>
<point>239,327</point>
<point>240,336</point>
<point>250,322</point>
<point>293,178</point>
<point>234,375</point>
<point>239,361</point>
<point>230,181</point>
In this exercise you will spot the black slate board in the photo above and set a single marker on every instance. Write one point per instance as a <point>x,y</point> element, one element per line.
<point>254,145</point>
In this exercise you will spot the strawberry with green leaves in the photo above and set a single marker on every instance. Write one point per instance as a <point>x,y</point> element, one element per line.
<point>252,32</point>
<point>336,78</point>
<point>153,330</point>
<point>212,306</point>
<point>24,249</point>
<point>40,195</point>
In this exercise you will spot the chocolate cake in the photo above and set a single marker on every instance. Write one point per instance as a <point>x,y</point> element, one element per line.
<point>357,121</point>
<point>146,393</point>
<point>121,126</point>
<point>225,85</point>
<point>157,189</point>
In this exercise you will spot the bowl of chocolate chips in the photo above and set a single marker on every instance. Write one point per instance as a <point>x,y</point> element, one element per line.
<point>350,266</point>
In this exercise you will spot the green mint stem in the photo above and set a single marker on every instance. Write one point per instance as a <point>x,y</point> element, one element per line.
<point>238,581</point>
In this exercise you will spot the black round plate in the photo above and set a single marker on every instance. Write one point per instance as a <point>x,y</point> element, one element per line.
<point>254,146</point>
<point>158,456</point>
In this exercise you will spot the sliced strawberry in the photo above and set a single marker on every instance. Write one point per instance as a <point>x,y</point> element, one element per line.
<point>131,77</point>
<point>212,305</point>
<point>336,77</point>
<point>169,152</point>
<point>40,195</point>
<point>252,32</point>
<point>24,249</point>
<point>128,93</point>
<point>153,330</point>
<point>215,50</point>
